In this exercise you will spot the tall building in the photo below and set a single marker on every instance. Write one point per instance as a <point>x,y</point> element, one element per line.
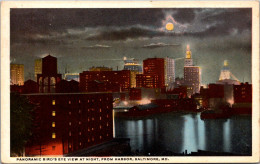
<point>17,74</point>
<point>153,74</point>
<point>114,81</point>
<point>49,78</point>
<point>37,67</point>
<point>67,122</point>
<point>134,67</point>
<point>169,72</point>
<point>192,74</point>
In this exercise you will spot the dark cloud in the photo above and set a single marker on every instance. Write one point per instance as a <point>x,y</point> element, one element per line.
<point>158,45</point>
<point>240,19</point>
<point>184,15</point>
<point>45,21</point>
<point>124,34</point>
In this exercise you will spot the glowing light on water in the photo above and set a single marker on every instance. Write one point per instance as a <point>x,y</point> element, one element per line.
<point>145,101</point>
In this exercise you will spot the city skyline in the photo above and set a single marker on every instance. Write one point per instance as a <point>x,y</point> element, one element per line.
<point>125,82</point>
<point>80,42</point>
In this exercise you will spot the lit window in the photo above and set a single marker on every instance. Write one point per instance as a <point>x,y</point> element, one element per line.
<point>53,135</point>
<point>79,133</point>
<point>107,134</point>
<point>93,118</point>
<point>100,100</point>
<point>53,124</point>
<point>92,129</point>
<point>100,118</point>
<point>69,102</point>
<point>107,115</point>
<point>100,127</point>
<point>93,139</point>
<point>88,129</point>
<point>88,140</point>
<point>69,145</point>
<point>53,102</point>
<point>69,113</point>
<point>69,133</point>
<point>80,144</point>
<point>53,113</point>
<point>107,123</point>
<point>88,119</point>
<point>100,110</point>
<point>79,111</point>
<point>100,137</point>
<point>79,101</point>
<point>69,123</point>
<point>79,122</point>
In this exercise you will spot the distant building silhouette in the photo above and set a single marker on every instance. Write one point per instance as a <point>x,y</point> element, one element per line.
<point>49,78</point>
<point>65,86</point>
<point>17,74</point>
<point>72,76</point>
<point>113,81</point>
<point>100,69</point>
<point>37,67</point>
<point>30,86</point>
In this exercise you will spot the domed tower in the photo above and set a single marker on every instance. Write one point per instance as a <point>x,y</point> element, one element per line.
<point>225,72</point>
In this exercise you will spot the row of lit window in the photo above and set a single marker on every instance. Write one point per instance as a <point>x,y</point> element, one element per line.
<point>69,102</point>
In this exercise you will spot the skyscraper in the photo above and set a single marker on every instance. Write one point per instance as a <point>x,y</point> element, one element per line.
<point>17,74</point>
<point>191,74</point>
<point>153,74</point>
<point>37,67</point>
<point>169,66</point>
<point>134,67</point>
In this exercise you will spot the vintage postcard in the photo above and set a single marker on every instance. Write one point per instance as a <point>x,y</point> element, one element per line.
<point>130,82</point>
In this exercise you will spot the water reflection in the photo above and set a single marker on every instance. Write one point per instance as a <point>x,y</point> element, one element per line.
<point>179,132</point>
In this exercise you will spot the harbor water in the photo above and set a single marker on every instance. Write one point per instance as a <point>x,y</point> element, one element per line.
<point>180,132</point>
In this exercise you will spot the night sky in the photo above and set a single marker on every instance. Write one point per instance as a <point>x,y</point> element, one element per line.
<point>81,38</point>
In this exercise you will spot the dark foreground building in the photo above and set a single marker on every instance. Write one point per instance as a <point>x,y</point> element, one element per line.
<point>67,122</point>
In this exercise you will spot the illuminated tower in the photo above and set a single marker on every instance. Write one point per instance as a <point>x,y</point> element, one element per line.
<point>17,74</point>
<point>37,67</point>
<point>226,75</point>
<point>225,72</point>
<point>188,60</point>
<point>192,74</point>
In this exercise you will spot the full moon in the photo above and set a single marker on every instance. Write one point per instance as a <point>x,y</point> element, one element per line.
<point>169,26</point>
